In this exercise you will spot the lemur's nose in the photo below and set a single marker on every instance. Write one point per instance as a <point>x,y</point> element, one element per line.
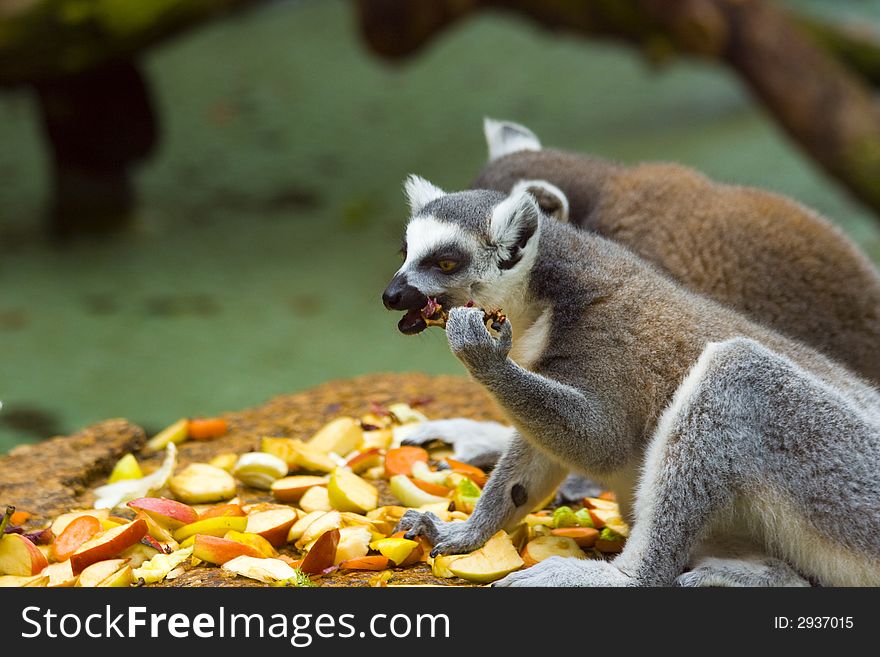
<point>400,295</point>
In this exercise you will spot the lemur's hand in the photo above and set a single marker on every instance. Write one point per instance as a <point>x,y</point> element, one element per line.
<point>446,537</point>
<point>471,341</point>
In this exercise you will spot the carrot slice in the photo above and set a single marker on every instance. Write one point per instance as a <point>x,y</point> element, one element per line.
<point>377,562</point>
<point>608,496</point>
<point>221,511</point>
<point>206,428</point>
<point>428,487</point>
<point>75,534</point>
<point>19,517</point>
<point>473,472</point>
<point>400,460</point>
<point>583,536</point>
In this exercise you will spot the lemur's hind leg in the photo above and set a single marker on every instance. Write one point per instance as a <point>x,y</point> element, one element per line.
<point>689,477</point>
<point>755,570</point>
<point>483,443</point>
<point>479,443</point>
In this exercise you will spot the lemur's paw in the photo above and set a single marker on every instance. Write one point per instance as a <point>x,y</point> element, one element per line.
<point>477,443</point>
<point>446,537</point>
<point>471,341</point>
<point>741,571</point>
<point>568,571</point>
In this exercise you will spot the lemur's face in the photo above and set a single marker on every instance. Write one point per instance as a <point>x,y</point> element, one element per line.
<point>472,246</point>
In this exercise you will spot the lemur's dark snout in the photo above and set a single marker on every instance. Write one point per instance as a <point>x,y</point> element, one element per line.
<point>400,295</point>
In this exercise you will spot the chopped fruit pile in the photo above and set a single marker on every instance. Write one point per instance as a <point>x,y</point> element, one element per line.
<point>324,514</point>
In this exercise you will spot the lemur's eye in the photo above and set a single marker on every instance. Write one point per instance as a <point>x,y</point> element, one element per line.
<point>447,266</point>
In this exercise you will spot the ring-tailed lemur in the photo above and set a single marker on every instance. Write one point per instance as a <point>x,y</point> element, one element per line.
<point>708,426</point>
<point>764,255</point>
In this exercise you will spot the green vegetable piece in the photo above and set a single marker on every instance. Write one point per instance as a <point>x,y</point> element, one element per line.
<point>564,517</point>
<point>584,519</point>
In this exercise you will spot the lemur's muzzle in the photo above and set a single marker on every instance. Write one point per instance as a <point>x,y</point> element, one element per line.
<point>400,295</point>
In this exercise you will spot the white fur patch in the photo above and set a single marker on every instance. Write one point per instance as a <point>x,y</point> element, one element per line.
<point>420,192</point>
<point>423,234</point>
<point>508,215</point>
<point>505,137</point>
<point>528,347</point>
<point>547,188</point>
<point>790,537</point>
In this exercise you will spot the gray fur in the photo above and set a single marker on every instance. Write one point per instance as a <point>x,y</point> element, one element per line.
<point>761,427</point>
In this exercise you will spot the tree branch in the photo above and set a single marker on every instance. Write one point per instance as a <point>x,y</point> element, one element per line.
<point>827,109</point>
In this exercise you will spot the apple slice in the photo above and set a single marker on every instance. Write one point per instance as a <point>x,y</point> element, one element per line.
<point>254,541</point>
<point>108,544</point>
<point>583,536</point>
<point>599,503</point>
<point>283,448</point>
<point>60,523</point>
<point>322,555</point>
<point>123,577</point>
<point>291,489</point>
<point>273,525</point>
<point>319,525</point>
<point>200,483</point>
<point>60,574</point>
<point>211,526</point>
<point>18,556</point>
<point>17,581</point>
<point>545,547</point>
<point>161,565</point>
<point>300,526</point>
<point>169,514</point>
<point>259,469</point>
<point>348,492</point>
<point>354,543</point>
<point>93,575</point>
<point>315,499</point>
<point>220,550</point>
<point>422,472</point>
<point>341,436</point>
<point>491,562</point>
<point>411,495</point>
<point>76,533</point>
<point>139,553</point>
<point>377,439</point>
<point>221,510</point>
<point>263,570</point>
<point>363,461</point>
<point>160,534</point>
<point>225,461</point>
<point>397,550</point>
<point>385,518</point>
<point>440,565</point>
<point>126,468</point>
<point>176,433</point>
<point>311,459</point>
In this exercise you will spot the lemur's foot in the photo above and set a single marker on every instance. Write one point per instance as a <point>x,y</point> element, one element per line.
<point>446,537</point>
<point>473,344</point>
<point>477,443</point>
<point>744,571</point>
<point>568,571</point>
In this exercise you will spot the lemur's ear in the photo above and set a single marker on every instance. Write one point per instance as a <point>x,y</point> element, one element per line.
<point>420,192</point>
<point>504,137</point>
<point>552,200</point>
<point>513,224</point>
